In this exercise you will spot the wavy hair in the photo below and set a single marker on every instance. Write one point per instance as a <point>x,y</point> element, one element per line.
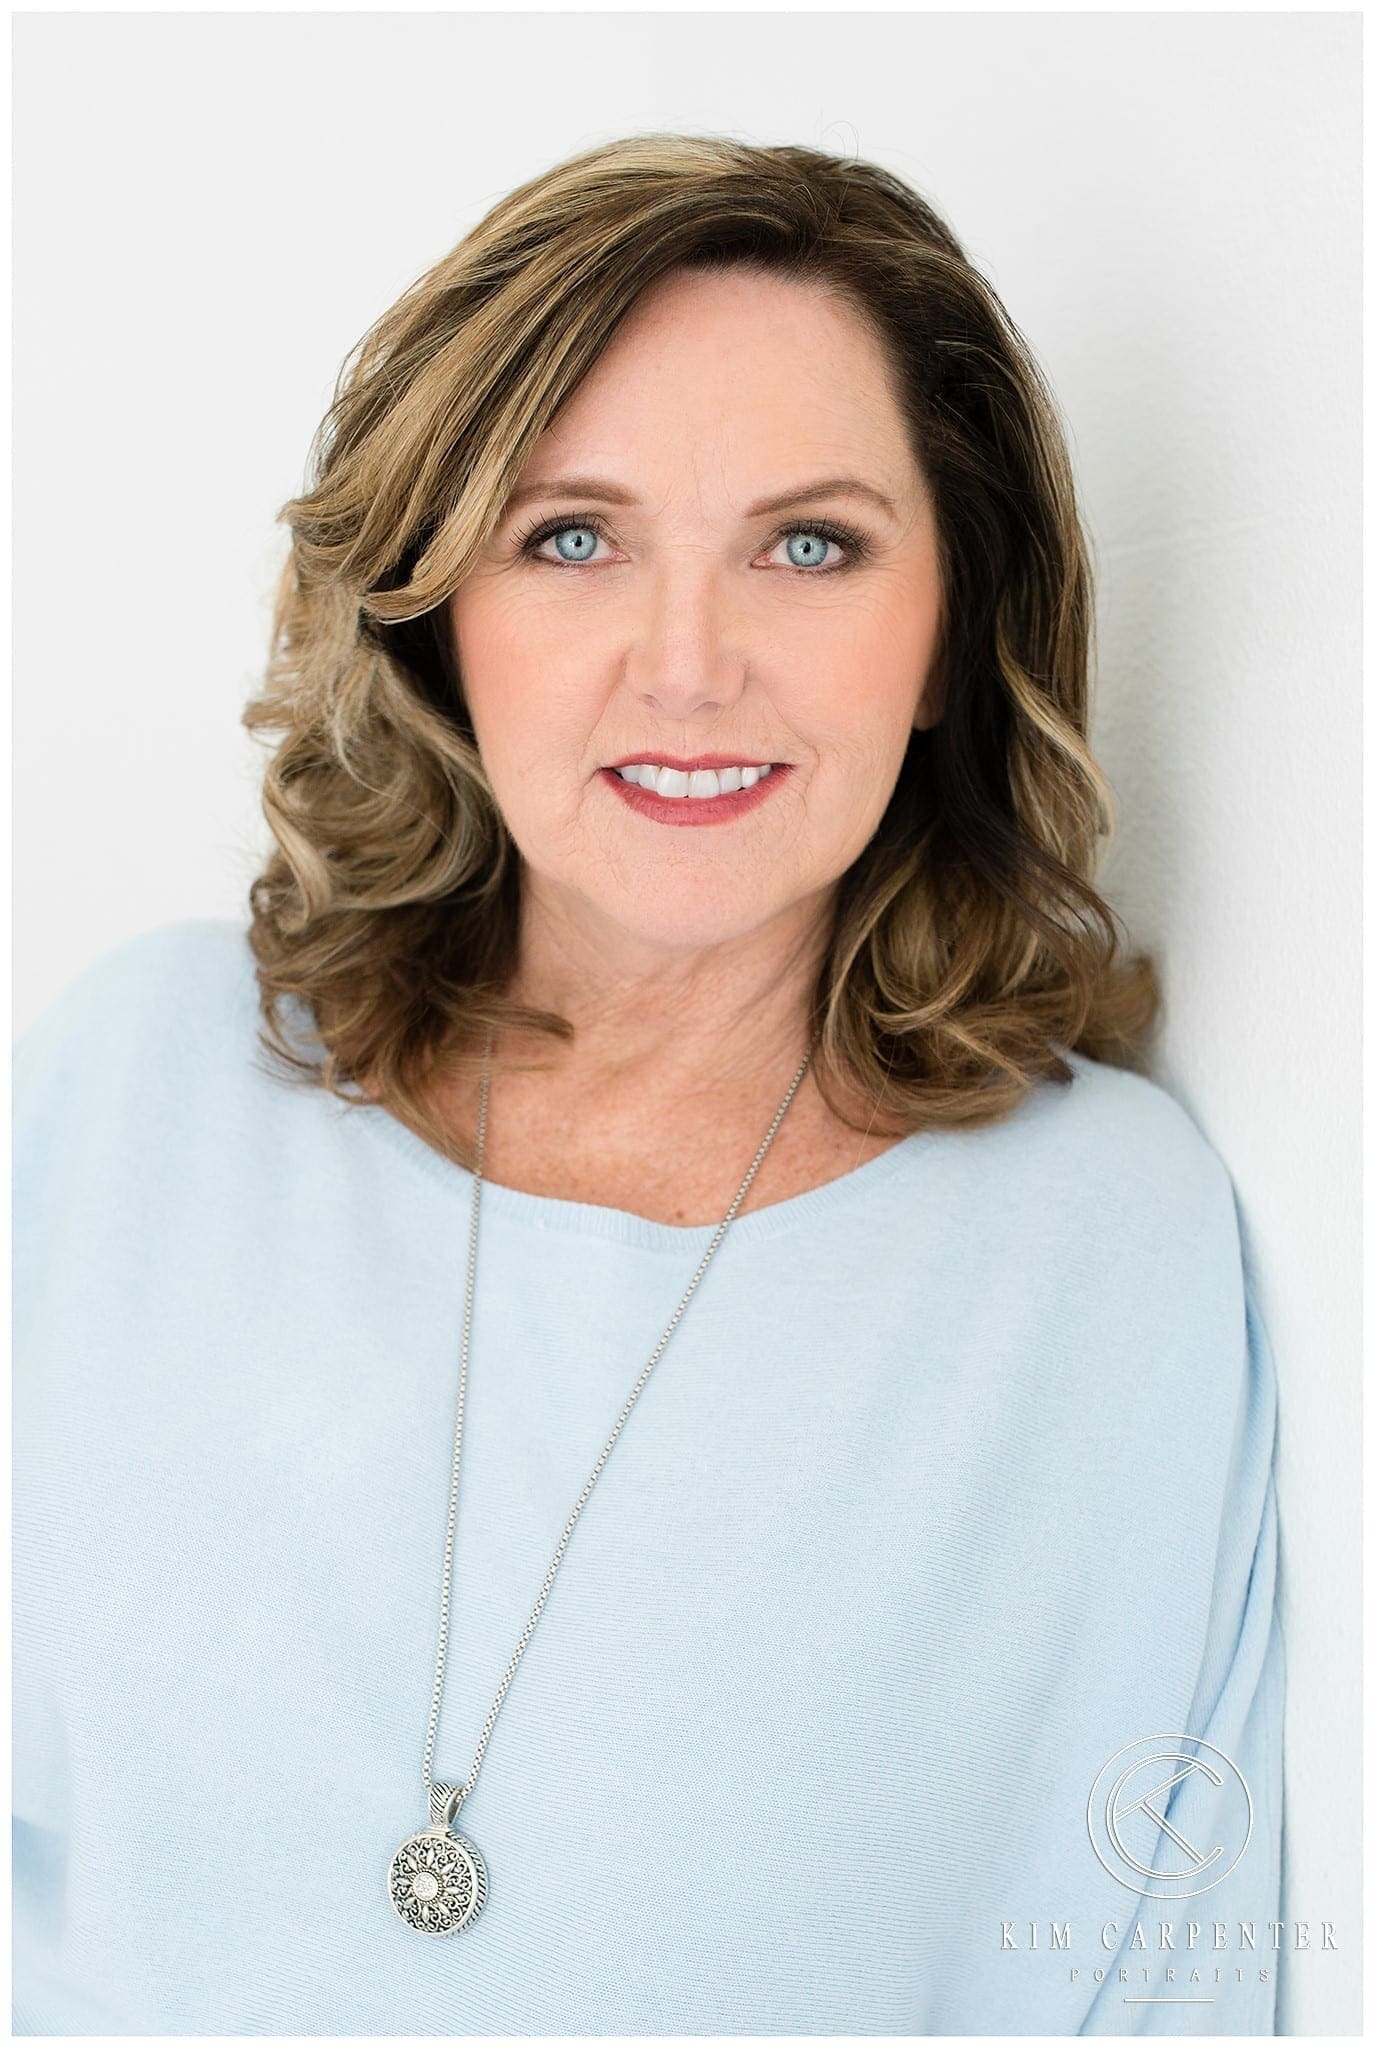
<point>969,949</point>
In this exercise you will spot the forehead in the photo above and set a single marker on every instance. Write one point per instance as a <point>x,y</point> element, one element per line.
<point>732,373</point>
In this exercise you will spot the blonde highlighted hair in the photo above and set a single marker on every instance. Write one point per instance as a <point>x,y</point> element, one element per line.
<point>970,949</point>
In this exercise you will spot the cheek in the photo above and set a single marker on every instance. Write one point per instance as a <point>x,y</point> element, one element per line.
<point>857,681</point>
<point>532,706</point>
<point>893,631</point>
<point>516,682</point>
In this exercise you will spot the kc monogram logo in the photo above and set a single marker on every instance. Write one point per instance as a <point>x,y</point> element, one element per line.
<point>1181,1789</point>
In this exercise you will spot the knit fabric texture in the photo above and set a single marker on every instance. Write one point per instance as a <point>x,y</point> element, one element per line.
<point>914,1662</point>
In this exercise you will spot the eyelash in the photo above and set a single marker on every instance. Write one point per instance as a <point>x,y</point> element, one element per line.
<point>856,546</point>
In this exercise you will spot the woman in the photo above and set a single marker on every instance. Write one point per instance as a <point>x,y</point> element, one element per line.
<point>683,817</point>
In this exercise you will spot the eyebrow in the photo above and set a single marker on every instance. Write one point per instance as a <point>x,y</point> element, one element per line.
<point>613,494</point>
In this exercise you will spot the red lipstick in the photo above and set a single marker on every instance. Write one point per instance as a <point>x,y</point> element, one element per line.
<point>694,810</point>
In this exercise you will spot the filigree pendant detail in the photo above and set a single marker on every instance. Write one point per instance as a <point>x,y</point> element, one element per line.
<point>437,1881</point>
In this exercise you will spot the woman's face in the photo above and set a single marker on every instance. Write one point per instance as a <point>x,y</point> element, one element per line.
<point>720,557</point>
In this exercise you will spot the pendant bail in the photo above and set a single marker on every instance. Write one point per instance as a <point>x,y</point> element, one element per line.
<point>445,1801</point>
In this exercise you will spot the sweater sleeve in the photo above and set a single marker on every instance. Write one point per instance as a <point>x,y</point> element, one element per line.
<point>66,1068</point>
<point>1224,1809</point>
<point>44,1064</point>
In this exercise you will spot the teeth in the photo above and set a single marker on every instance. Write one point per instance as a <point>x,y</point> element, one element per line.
<point>697,782</point>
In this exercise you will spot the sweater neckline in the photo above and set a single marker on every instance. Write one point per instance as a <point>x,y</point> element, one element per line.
<point>623,1226</point>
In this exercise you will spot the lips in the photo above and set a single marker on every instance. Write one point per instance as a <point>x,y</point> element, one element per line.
<point>695,810</point>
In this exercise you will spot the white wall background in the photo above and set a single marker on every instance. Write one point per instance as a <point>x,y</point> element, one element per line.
<point>212,208</point>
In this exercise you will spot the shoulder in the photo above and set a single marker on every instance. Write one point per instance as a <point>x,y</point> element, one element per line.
<point>1085,1252</point>
<point>185,967</point>
<point>1121,1130</point>
<point>192,955</point>
<point>127,1082</point>
<point>1110,1178</point>
<point>134,1019</point>
<point>1107,1137</point>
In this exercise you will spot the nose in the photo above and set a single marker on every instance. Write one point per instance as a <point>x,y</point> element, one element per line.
<point>684,659</point>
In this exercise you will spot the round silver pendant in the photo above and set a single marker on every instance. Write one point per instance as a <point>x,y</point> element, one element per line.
<point>437,1881</point>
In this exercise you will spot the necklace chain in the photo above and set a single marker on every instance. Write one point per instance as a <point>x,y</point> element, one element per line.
<point>446,1799</point>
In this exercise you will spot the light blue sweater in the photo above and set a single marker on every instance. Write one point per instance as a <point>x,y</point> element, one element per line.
<point>954,1482</point>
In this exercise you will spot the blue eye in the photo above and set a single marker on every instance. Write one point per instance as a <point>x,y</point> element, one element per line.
<point>581,540</point>
<point>576,535</point>
<point>810,547</point>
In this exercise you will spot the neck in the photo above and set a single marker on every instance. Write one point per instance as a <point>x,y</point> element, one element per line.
<point>667,1023</point>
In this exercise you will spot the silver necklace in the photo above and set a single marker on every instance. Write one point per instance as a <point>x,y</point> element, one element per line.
<point>437,1880</point>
